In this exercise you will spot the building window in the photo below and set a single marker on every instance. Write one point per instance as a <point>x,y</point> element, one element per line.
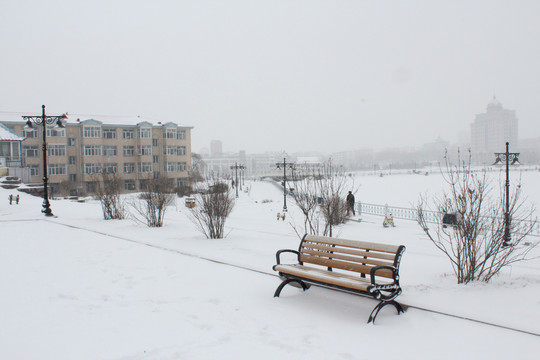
<point>110,168</point>
<point>91,132</point>
<point>145,150</point>
<point>72,160</point>
<point>90,187</point>
<point>129,150</point>
<point>34,170</point>
<point>73,177</point>
<point>109,133</point>
<point>170,150</point>
<point>92,150</point>
<point>4,149</point>
<point>175,166</point>
<point>92,168</point>
<point>56,132</point>
<point>71,141</point>
<point>181,150</point>
<point>129,184</point>
<point>181,134</point>
<point>142,184</point>
<point>171,134</point>
<point>109,150</point>
<point>30,151</point>
<point>56,150</point>
<point>145,167</point>
<point>155,159</point>
<point>30,133</point>
<point>181,182</point>
<point>145,133</point>
<point>56,169</point>
<point>154,142</point>
<point>128,134</point>
<point>129,168</point>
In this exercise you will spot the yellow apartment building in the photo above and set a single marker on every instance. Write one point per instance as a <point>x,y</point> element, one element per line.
<point>78,152</point>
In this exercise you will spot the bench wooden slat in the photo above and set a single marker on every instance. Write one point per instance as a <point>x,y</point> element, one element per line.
<point>344,265</point>
<point>353,244</point>
<point>343,250</point>
<point>353,259</point>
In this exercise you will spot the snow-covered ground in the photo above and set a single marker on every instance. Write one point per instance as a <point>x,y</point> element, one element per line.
<point>79,287</point>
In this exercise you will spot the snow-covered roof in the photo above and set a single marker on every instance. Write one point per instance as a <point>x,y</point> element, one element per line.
<point>74,118</point>
<point>8,135</point>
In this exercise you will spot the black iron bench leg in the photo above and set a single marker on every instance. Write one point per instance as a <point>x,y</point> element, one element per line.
<point>382,304</point>
<point>287,281</point>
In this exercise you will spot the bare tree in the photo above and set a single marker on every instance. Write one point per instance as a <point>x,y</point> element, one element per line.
<point>307,199</point>
<point>153,201</point>
<point>198,167</point>
<point>108,190</point>
<point>474,240</point>
<point>213,207</point>
<point>320,194</point>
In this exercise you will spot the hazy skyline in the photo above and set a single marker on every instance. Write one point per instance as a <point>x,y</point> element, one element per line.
<point>277,75</point>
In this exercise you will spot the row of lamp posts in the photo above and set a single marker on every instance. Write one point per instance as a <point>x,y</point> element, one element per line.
<point>237,167</point>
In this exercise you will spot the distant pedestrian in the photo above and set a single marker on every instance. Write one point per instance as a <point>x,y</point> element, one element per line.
<point>10,198</point>
<point>17,199</point>
<point>350,204</point>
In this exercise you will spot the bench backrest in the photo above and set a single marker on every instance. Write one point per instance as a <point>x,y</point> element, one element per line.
<point>350,255</point>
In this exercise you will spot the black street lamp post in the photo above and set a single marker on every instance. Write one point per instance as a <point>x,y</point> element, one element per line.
<point>285,164</point>
<point>45,120</point>
<point>509,159</point>
<point>236,167</point>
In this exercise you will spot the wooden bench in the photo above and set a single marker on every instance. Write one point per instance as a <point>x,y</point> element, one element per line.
<point>364,268</point>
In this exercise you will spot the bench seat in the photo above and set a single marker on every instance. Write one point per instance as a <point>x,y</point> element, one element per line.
<point>325,277</point>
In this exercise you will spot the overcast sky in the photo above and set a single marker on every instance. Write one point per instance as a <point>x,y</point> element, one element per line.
<point>277,74</point>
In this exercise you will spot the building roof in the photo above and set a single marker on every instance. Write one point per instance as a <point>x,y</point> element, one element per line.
<point>8,135</point>
<point>106,120</point>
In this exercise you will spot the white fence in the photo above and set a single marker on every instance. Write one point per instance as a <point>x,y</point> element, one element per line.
<point>433,216</point>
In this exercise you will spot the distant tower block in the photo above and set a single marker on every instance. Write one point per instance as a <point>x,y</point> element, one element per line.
<point>494,127</point>
<point>216,148</point>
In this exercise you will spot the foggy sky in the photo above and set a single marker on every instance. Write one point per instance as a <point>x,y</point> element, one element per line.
<point>277,74</point>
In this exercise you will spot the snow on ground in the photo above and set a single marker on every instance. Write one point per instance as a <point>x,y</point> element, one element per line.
<point>79,287</point>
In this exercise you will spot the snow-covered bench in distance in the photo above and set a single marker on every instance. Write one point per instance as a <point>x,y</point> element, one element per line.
<point>364,268</point>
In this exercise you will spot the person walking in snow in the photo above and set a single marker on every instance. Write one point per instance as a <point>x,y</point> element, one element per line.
<point>10,198</point>
<point>350,203</point>
<point>17,199</point>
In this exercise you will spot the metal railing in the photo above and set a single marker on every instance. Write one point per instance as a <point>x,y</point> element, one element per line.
<point>434,217</point>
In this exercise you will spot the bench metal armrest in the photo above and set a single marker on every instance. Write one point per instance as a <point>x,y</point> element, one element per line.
<point>381,267</point>
<point>279,252</point>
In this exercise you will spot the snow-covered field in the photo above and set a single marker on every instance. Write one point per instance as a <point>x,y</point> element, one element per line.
<point>79,287</point>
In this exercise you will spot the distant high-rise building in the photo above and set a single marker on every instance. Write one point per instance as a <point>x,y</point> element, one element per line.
<point>216,148</point>
<point>491,130</point>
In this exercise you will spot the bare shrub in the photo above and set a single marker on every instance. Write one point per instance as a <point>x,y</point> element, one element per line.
<point>212,209</point>
<point>475,244</point>
<point>152,203</point>
<point>108,191</point>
